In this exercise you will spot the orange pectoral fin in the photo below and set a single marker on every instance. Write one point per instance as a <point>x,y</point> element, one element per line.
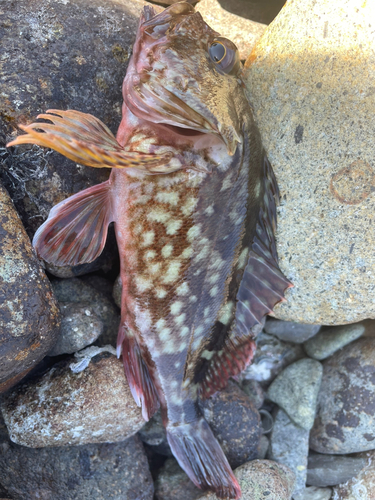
<point>76,229</point>
<point>86,140</point>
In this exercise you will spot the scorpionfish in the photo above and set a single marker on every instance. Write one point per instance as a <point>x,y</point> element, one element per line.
<point>193,199</point>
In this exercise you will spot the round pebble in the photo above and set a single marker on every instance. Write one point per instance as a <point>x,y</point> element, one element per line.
<point>289,331</point>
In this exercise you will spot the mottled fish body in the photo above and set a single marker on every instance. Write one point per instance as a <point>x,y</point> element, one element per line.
<point>193,199</point>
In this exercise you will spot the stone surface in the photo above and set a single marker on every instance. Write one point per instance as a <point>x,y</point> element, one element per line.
<point>289,445</point>
<point>296,391</point>
<point>255,392</point>
<point>331,340</point>
<point>80,327</point>
<point>243,32</point>
<point>314,493</point>
<point>346,404</point>
<point>64,408</point>
<point>98,471</point>
<point>154,435</point>
<point>235,422</point>
<point>289,331</point>
<point>256,10</point>
<point>29,314</point>
<point>172,483</point>
<point>361,487</point>
<point>271,357</point>
<point>330,470</point>
<point>311,81</point>
<point>96,292</point>
<point>262,479</point>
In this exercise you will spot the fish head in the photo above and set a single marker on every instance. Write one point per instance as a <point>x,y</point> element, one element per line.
<point>185,75</point>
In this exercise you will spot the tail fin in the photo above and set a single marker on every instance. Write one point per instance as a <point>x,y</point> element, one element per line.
<point>202,458</point>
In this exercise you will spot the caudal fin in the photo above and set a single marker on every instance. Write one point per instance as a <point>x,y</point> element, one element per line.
<point>202,458</point>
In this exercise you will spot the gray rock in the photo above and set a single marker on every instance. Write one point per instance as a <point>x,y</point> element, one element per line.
<point>346,404</point>
<point>331,340</point>
<point>117,289</point>
<point>271,357</point>
<point>29,314</point>
<point>64,408</point>
<point>255,392</point>
<point>262,479</point>
<point>235,422</point>
<point>312,67</point>
<point>172,483</point>
<point>85,290</point>
<point>296,390</point>
<point>261,12</point>
<point>154,435</point>
<point>263,447</point>
<point>330,470</point>
<point>361,487</point>
<point>80,327</point>
<point>289,331</point>
<point>289,445</point>
<point>97,471</point>
<point>314,493</point>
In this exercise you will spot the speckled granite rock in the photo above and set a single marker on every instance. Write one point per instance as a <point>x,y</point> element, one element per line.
<point>289,331</point>
<point>260,479</point>
<point>289,445</point>
<point>296,391</point>
<point>346,403</point>
<point>64,408</point>
<point>311,81</point>
<point>314,493</point>
<point>361,487</point>
<point>330,470</point>
<point>29,315</point>
<point>243,32</point>
<point>98,471</point>
<point>172,483</point>
<point>331,340</point>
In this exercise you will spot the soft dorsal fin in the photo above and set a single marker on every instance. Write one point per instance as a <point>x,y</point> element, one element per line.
<point>76,229</point>
<point>86,140</point>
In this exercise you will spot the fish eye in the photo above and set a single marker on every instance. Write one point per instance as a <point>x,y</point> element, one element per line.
<point>225,55</point>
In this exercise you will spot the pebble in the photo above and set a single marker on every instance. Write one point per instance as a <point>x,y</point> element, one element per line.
<point>330,470</point>
<point>262,479</point>
<point>255,392</point>
<point>289,331</point>
<point>271,357</point>
<point>346,404</point>
<point>235,422</point>
<point>29,314</point>
<point>289,445</point>
<point>325,343</point>
<point>314,493</point>
<point>65,408</point>
<point>172,483</point>
<point>311,68</point>
<point>96,471</point>
<point>296,390</point>
<point>154,435</point>
<point>361,487</point>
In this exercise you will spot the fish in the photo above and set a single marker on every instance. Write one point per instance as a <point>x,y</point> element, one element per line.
<point>193,200</point>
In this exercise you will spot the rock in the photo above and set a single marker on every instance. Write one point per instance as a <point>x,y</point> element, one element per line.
<point>263,447</point>
<point>172,483</point>
<point>65,408</point>
<point>312,67</point>
<point>271,357</point>
<point>116,294</point>
<point>314,493</point>
<point>256,10</point>
<point>29,314</point>
<point>80,327</point>
<point>346,404</point>
<point>331,340</point>
<point>243,32</point>
<point>296,390</point>
<point>260,479</point>
<point>96,471</point>
<point>59,55</point>
<point>330,470</point>
<point>235,422</point>
<point>80,291</point>
<point>289,445</point>
<point>255,392</point>
<point>361,487</point>
<point>290,331</point>
<point>154,435</point>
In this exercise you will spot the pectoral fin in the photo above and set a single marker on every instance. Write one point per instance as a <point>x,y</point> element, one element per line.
<point>86,140</point>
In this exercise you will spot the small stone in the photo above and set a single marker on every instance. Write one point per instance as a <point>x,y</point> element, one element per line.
<point>263,447</point>
<point>154,435</point>
<point>235,422</point>
<point>97,471</point>
<point>29,314</point>
<point>80,327</point>
<point>289,331</point>
<point>65,408</point>
<point>314,493</point>
<point>117,289</point>
<point>262,479</point>
<point>271,357</point>
<point>255,392</point>
<point>344,420</point>
<point>296,390</point>
<point>289,445</point>
<point>330,470</point>
<point>243,32</point>
<point>173,483</point>
<point>325,343</point>
<point>361,487</point>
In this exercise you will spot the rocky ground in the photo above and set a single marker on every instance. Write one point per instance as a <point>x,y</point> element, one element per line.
<point>298,423</point>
